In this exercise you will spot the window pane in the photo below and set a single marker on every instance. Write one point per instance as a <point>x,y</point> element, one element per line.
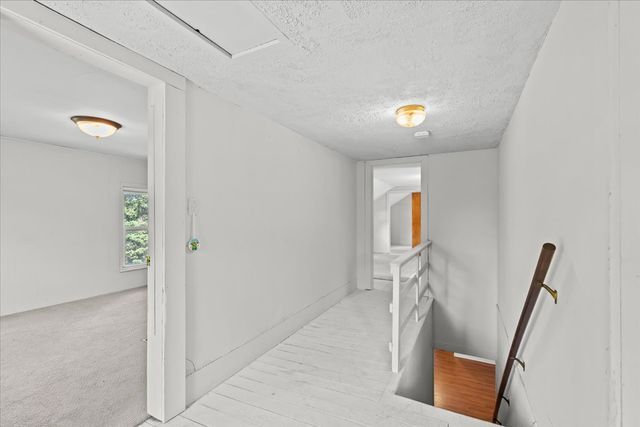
<point>135,247</point>
<point>136,209</point>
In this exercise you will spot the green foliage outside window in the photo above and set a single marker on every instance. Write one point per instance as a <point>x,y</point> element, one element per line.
<point>136,217</point>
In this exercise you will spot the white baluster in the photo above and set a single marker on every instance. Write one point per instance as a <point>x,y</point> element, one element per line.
<point>419,277</point>
<point>395,318</point>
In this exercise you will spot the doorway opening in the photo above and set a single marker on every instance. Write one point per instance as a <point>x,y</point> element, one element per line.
<point>396,215</point>
<point>161,154</point>
<point>75,232</point>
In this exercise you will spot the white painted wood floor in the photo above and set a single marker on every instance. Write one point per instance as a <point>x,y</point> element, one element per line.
<point>335,371</point>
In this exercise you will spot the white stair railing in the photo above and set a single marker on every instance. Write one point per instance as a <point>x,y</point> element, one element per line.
<point>416,279</point>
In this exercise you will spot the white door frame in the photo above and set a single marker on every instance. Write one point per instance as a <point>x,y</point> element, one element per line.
<point>166,159</point>
<point>364,211</point>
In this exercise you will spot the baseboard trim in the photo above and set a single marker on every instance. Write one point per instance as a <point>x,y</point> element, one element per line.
<point>84,298</point>
<point>459,349</point>
<point>215,372</point>
<point>474,358</point>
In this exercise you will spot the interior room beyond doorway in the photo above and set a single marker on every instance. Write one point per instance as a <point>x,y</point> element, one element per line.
<point>396,216</point>
<point>75,228</point>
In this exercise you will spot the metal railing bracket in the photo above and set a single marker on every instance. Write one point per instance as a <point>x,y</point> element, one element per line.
<point>507,400</point>
<point>519,361</point>
<point>552,292</point>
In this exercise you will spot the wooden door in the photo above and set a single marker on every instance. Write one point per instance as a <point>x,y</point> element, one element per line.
<point>415,219</point>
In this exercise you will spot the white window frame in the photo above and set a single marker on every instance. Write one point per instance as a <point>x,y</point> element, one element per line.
<point>123,233</point>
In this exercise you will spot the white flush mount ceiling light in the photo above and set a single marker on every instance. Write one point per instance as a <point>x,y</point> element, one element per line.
<point>410,115</point>
<point>96,126</point>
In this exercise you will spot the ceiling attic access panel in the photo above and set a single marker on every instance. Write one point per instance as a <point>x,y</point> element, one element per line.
<point>235,28</point>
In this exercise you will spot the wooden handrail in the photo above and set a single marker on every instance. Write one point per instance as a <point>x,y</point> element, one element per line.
<point>537,284</point>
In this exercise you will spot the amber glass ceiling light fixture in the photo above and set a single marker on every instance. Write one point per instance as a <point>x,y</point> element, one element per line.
<point>410,115</point>
<point>96,126</point>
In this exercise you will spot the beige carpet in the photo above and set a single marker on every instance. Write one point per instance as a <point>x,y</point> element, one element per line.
<point>77,364</point>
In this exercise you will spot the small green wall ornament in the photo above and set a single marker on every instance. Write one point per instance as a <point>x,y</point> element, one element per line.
<point>193,244</point>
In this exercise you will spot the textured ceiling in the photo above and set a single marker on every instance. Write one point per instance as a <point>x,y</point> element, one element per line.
<point>399,176</point>
<point>42,88</point>
<point>343,68</point>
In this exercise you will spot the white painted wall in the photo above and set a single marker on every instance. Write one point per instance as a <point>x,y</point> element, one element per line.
<point>463,207</point>
<point>61,224</point>
<point>400,222</point>
<point>559,164</point>
<point>380,187</point>
<point>277,229</point>
<point>630,208</point>
<point>416,381</point>
<point>381,233</point>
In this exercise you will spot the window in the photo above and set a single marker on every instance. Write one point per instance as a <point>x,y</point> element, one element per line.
<point>135,221</point>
